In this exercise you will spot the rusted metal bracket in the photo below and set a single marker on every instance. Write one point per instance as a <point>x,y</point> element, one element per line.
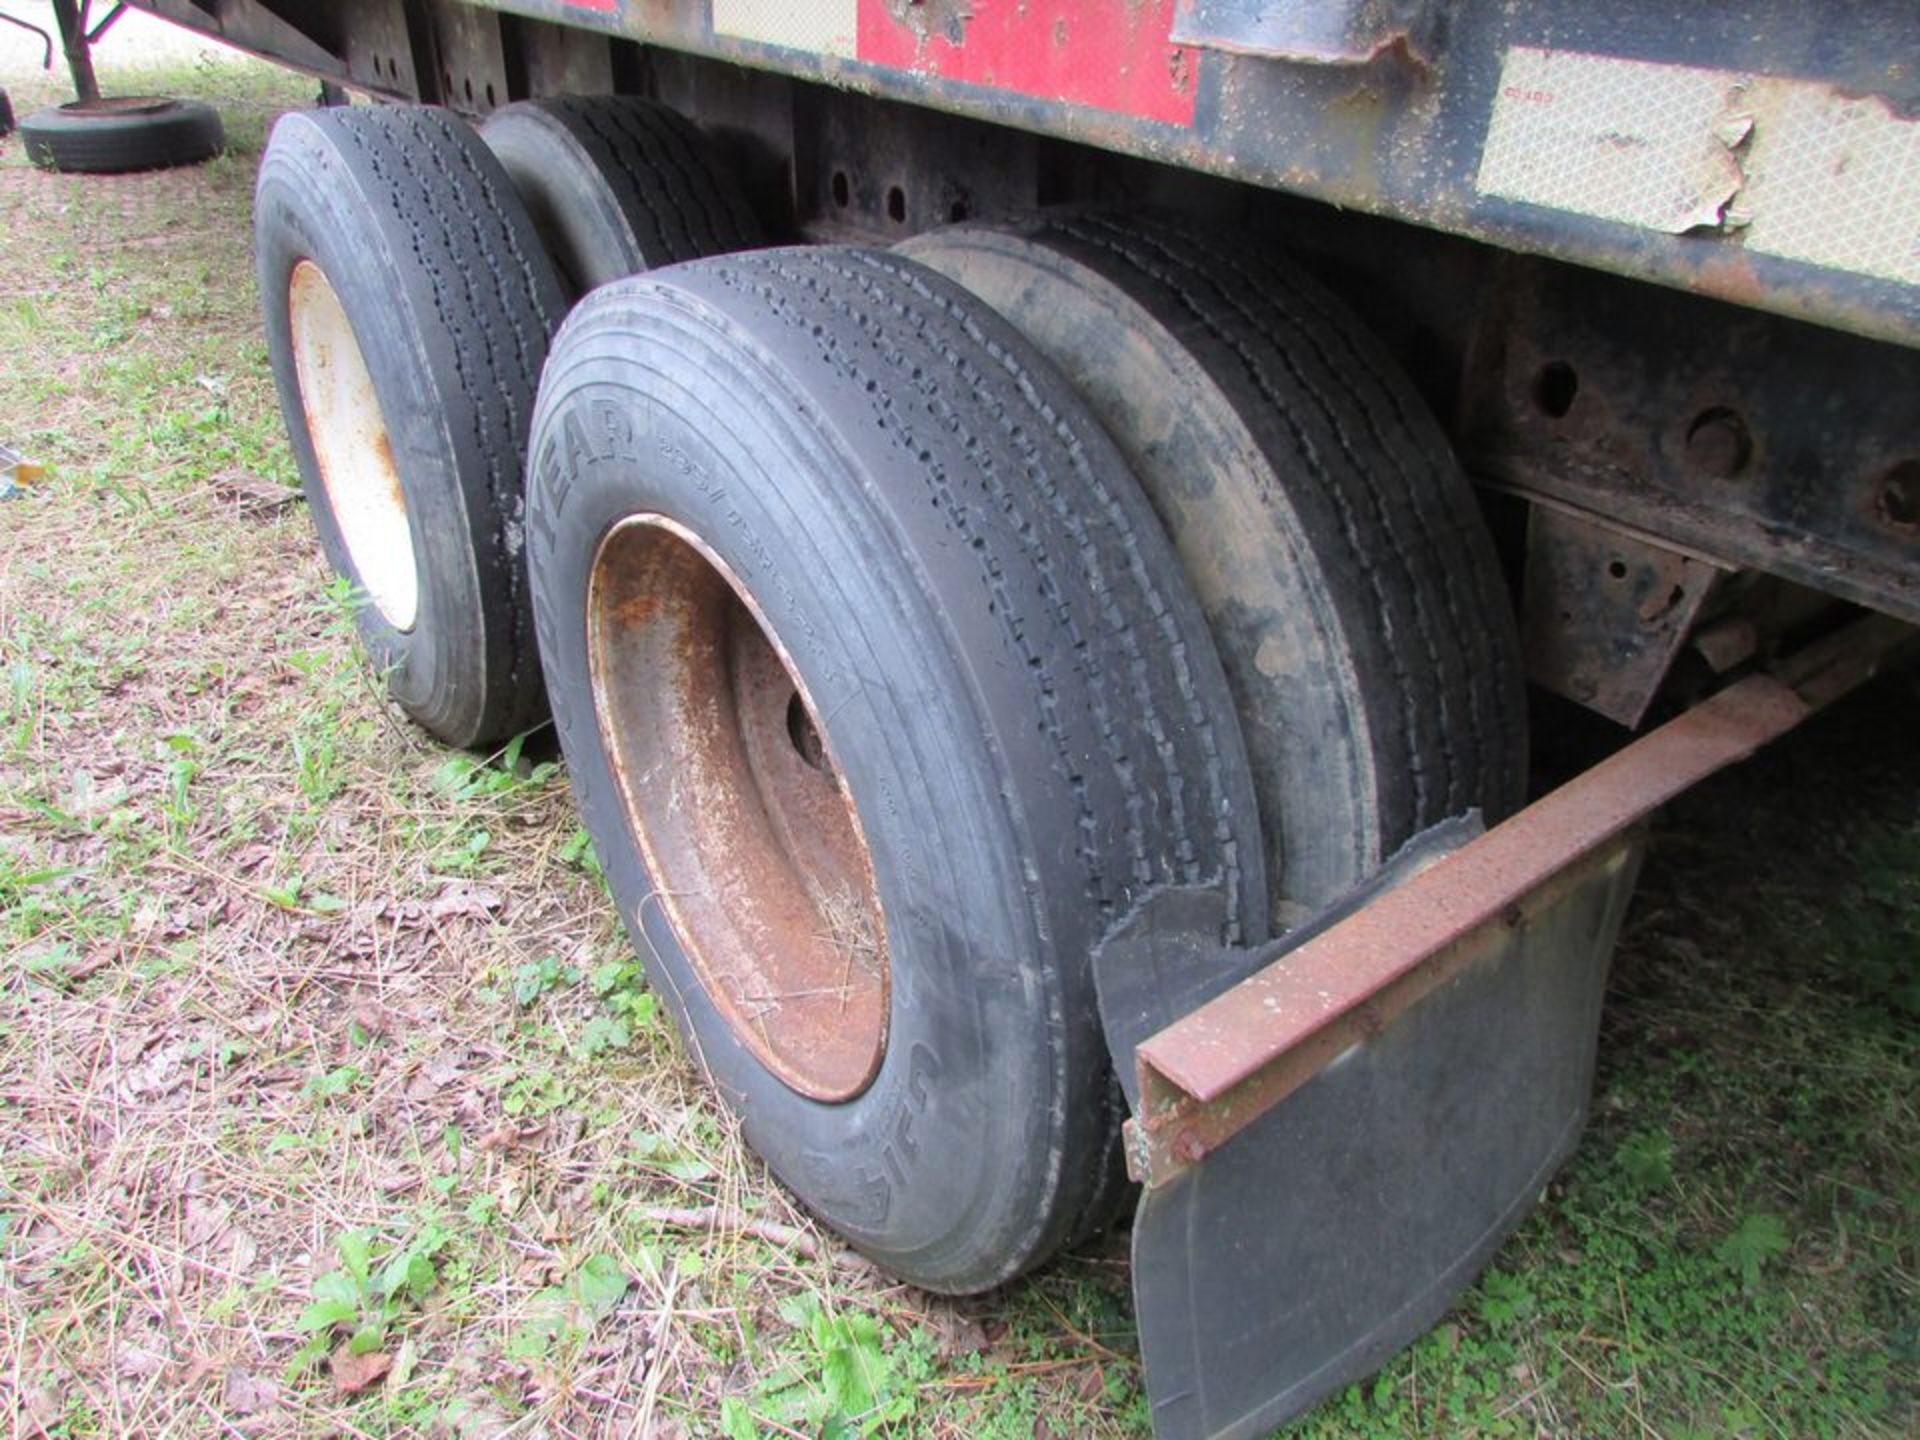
<point>1311,32</point>
<point>71,17</point>
<point>1605,611</point>
<point>1206,1077</point>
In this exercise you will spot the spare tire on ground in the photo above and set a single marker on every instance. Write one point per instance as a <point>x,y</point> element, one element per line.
<point>123,133</point>
<point>408,305</point>
<point>619,185</point>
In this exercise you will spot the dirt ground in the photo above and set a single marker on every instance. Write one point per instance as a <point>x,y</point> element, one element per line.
<point>332,1100</point>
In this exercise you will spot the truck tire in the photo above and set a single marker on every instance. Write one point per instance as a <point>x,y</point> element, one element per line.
<point>1319,514</point>
<point>882,699</point>
<point>122,134</point>
<point>618,185</point>
<point>6,115</point>
<point>408,307</point>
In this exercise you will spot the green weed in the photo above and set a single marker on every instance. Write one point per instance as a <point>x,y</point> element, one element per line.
<point>371,1293</point>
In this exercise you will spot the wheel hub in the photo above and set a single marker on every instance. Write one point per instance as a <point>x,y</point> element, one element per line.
<point>750,836</point>
<point>351,444</point>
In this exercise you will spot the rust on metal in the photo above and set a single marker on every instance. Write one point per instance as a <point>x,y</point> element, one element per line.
<point>1727,643</point>
<point>1605,611</point>
<point>1208,1075</point>
<point>352,446</point>
<point>1896,499</point>
<point>1312,32</point>
<point>750,835</point>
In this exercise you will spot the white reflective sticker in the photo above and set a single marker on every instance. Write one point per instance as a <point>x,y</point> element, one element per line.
<point>1798,169</point>
<point>1833,180</point>
<point>819,27</point>
<point>1617,139</point>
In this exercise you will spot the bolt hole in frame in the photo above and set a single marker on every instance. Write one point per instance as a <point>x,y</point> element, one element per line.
<point>1555,388</point>
<point>1898,497</point>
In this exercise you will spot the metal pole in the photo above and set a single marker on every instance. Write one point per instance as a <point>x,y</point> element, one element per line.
<point>71,16</point>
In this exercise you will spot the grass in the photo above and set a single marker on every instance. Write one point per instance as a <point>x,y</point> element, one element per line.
<point>332,1102</point>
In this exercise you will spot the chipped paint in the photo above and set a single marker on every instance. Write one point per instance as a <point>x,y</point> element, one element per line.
<point>1312,32</point>
<point>928,18</point>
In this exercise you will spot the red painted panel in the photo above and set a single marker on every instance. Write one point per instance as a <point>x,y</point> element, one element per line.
<point>605,7</point>
<point>1109,54</point>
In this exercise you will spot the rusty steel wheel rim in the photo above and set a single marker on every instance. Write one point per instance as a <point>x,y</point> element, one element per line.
<point>749,833</point>
<point>352,447</point>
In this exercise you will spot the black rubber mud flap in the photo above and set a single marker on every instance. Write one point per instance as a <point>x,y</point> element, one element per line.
<point>1341,1224</point>
<point>1165,958</point>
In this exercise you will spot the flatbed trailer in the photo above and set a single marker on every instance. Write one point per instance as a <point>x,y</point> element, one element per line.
<point>1648,278</point>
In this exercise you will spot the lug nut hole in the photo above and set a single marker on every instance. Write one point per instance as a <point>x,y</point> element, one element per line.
<point>805,735</point>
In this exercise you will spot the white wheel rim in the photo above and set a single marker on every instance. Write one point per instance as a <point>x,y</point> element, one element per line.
<point>352,447</point>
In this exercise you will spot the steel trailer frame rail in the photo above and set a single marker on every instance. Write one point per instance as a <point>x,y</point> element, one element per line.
<point>1746,152</point>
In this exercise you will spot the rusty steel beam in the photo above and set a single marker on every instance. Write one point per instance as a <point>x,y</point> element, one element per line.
<point>1211,1073</point>
<point>71,17</point>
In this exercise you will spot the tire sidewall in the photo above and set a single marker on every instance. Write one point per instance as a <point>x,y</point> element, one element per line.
<point>589,238</point>
<point>970,1064</point>
<point>303,213</point>
<point>174,132</point>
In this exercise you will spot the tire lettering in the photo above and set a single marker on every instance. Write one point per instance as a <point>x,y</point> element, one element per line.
<point>616,429</point>
<point>579,447</point>
<point>899,1153</point>
<point>923,1066</point>
<point>802,636</point>
<point>557,484</point>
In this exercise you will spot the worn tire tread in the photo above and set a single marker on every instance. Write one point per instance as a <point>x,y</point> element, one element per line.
<point>1382,481</point>
<point>1108,654</point>
<point>670,193</point>
<point>495,302</point>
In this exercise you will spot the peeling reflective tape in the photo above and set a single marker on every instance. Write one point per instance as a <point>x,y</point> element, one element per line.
<point>1615,139</point>
<point>1833,180</point>
<point>819,27</point>
<point>1784,167</point>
